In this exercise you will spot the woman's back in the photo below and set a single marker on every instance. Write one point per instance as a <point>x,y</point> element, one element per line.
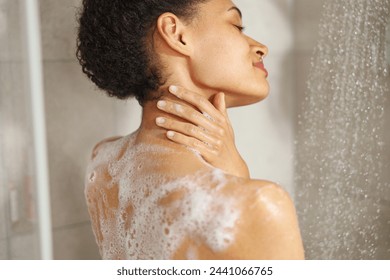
<point>152,202</point>
<point>142,209</point>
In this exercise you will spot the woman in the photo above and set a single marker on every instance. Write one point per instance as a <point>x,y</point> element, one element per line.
<point>177,187</point>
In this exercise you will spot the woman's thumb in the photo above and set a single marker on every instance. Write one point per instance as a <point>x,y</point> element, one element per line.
<point>219,102</point>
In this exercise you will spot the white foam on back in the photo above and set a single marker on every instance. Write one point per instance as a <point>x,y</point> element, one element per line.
<point>148,214</point>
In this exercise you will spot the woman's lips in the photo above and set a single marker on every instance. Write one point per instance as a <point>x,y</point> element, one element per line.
<point>260,65</point>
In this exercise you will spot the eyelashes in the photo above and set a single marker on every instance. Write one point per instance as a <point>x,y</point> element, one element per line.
<point>240,28</point>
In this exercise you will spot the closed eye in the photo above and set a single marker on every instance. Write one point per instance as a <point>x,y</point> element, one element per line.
<point>241,28</point>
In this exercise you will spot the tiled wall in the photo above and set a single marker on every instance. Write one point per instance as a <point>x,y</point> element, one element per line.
<point>18,227</point>
<point>76,118</point>
<point>306,18</point>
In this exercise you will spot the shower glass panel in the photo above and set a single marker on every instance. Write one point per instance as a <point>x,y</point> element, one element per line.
<point>19,227</point>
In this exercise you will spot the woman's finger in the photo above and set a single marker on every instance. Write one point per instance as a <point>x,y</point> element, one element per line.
<point>197,100</point>
<point>187,129</point>
<point>189,114</point>
<point>203,148</point>
<point>220,103</point>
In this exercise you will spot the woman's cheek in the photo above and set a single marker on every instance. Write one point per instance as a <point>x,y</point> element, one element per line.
<point>208,69</point>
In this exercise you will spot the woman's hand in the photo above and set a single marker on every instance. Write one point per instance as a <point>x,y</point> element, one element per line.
<point>208,130</point>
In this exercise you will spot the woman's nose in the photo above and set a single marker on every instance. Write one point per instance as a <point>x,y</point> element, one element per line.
<point>260,49</point>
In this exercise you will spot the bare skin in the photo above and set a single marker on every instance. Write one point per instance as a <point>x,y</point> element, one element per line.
<point>206,128</point>
<point>266,229</point>
<point>267,226</point>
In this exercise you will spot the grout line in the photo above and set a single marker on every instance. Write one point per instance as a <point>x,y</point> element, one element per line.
<point>71,226</point>
<point>22,60</point>
<point>58,228</point>
<point>60,60</point>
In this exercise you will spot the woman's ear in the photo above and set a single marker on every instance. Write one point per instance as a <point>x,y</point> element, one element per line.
<point>174,33</point>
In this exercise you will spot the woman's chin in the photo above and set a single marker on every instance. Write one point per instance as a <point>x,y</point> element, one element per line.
<point>243,100</point>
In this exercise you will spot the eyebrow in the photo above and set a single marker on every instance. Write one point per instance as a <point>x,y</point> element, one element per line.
<point>236,9</point>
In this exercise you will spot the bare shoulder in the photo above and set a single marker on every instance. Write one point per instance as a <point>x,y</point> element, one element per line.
<point>269,196</point>
<point>262,193</point>
<point>103,152</point>
<point>268,228</point>
<point>101,143</point>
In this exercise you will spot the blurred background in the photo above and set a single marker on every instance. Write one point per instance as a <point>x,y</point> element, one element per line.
<point>77,115</point>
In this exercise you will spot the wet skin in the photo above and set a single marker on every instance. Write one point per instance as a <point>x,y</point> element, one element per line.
<point>265,229</point>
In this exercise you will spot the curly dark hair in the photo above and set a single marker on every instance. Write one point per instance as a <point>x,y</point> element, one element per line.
<point>114,44</point>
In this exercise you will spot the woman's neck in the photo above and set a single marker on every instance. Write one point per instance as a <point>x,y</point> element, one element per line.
<point>149,132</point>
<point>184,160</point>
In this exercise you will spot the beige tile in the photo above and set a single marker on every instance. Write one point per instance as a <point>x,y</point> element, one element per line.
<point>13,90</point>
<point>75,243</point>
<point>77,118</point>
<point>24,247</point>
<point>281,98</point>
<point>128,116</point>
<point>3,200</point>
<point>3,249</point>
<point>58,21</point>
<point>307,15</point>
<point>308,9</point>
<point>4,30</point>
<point>306,34</point>
<point>3,216</point>
<point>11,31</point>
<point>16,153</point>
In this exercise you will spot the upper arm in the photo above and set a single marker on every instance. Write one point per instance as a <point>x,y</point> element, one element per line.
<point>270,226</point>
